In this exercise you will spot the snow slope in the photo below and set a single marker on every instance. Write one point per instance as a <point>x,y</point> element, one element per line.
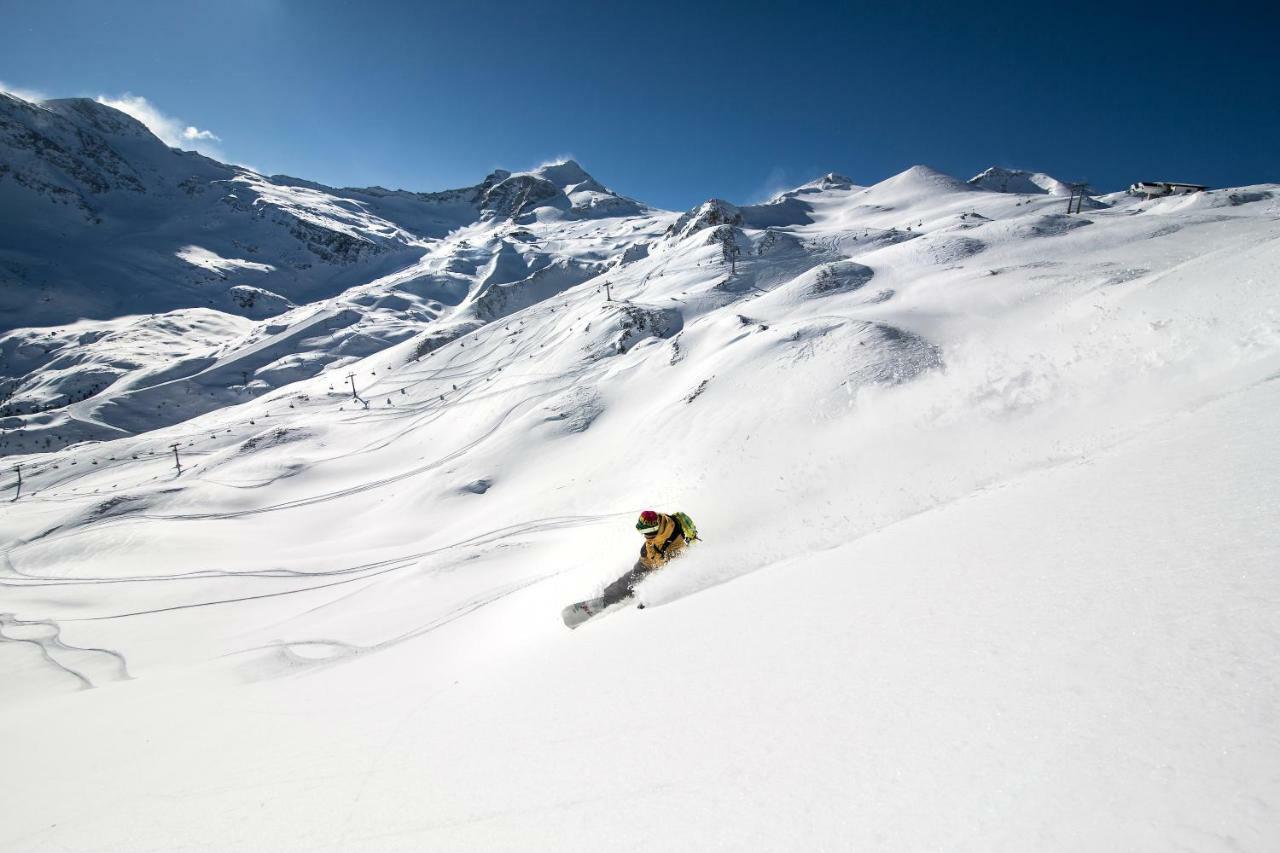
<point>987,496</point>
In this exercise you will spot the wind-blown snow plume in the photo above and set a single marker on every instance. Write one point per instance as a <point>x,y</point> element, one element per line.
<point>22,92</point>
<point>171,130</point>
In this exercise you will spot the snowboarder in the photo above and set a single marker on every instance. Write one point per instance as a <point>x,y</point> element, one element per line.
<point>665,537</point>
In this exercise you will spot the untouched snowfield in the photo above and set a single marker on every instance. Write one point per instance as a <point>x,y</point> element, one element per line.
<point>988,496</point>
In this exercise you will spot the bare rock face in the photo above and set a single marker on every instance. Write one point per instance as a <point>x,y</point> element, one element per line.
<point>516,195</point>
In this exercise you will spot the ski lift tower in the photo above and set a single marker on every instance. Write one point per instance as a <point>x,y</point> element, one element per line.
<point>1078,192</point>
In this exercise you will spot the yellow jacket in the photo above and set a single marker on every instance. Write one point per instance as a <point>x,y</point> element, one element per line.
<point>661,549</point>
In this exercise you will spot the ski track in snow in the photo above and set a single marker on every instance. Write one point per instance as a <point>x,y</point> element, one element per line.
<point>90,667</point>
<point>378,567</point>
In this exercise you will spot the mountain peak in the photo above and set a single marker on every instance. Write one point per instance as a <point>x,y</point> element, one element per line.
<point>566,173</point>
<point>926,174</point>
<point>98,116</point>
<point>1002,180</point>
<point>711,213</point>
<point>829,181</point>
<point>564,186</point>
<point>919,180</point>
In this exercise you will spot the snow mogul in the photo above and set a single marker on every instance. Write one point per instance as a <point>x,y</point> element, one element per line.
<point>665,538</point>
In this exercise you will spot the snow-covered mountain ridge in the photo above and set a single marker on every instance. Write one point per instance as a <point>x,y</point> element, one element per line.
<point>986,493</point>
<point>80,178</point>
<point>1001,180</point>
<point>109,233</point>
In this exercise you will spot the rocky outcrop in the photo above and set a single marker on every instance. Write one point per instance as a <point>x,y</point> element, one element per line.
<point>518,194</point>
<point>710,214</point>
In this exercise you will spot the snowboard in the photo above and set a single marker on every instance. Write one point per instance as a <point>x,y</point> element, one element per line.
<point>579,612</point>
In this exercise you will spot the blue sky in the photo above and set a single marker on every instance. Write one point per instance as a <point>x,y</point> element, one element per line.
<point>676,102</point>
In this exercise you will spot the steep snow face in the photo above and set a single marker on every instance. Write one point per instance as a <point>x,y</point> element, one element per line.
<point>976,479</point>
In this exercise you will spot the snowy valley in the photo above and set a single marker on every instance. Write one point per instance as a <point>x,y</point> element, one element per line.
<point>296,479</point>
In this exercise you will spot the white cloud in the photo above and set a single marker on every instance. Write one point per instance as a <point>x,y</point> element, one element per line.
<point>172,131</point>
<point>25,94</point>
<point>196,133</point>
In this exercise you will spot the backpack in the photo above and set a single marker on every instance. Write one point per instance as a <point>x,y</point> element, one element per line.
<point>687,527</point>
